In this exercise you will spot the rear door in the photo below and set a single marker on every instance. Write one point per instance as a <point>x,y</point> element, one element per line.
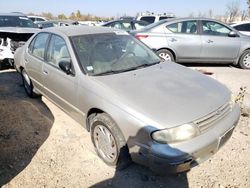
<point>183,37</point>
<point>34,59</point>
<point>58,86</point>
<point>216,43</point>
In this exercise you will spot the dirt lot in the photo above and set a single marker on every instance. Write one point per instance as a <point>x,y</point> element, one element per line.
<point>40,146</point>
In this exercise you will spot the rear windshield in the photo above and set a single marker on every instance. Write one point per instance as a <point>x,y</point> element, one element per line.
<point>15,21</point>
<point>149,19</point>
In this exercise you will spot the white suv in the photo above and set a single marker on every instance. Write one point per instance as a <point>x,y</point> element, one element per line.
<point>152,18</point>
<point>36,19</point>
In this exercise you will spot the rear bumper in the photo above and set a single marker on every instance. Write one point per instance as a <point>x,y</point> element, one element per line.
<point>181,157</point>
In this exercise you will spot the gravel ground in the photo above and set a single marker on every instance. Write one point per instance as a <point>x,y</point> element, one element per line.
<point>40,146</point>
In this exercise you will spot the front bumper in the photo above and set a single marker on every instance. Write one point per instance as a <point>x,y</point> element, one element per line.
<point>181,157</point>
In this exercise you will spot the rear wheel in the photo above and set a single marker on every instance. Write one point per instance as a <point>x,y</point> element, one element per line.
<point>165,55</point>
<point>28,86</point>
<point>109,142</point>
<point>245,60</point>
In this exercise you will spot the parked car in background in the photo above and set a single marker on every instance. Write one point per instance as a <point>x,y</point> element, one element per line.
<point>15,30</point>
<point>197,40</point>
<point>162,115</point>
<point>243,27</point>
<point>56,23</point>
<point>89,23</point>
<point>126,24</point>
<point>152,17</point>
<point>36,19</point>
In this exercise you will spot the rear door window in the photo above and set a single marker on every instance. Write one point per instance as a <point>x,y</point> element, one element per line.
<point>149,19</point>
<point>187,27</point>
<point>39,46</point>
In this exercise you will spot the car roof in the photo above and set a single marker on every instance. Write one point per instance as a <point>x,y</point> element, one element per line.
<point>34,16</point>
<point>239,23</point>
<point>80,30</point>
<point>13,14</point>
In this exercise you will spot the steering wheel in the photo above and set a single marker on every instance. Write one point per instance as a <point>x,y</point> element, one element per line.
<point>126,54</point>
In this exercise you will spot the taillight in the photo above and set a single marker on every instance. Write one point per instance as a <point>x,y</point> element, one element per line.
<point>140,37</point>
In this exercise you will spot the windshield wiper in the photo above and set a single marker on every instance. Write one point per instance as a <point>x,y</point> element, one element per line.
<point>108,72</point>
<point>126,70</point>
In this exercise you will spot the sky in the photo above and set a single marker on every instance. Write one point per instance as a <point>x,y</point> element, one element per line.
<point>115,8</point>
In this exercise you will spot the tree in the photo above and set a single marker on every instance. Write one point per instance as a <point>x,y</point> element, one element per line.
<point>72,16</point>
<point>210,13</point>
<point>62,17</point>
<point>78,15</point>
<point>243,15</point>
<point>233,10</point>
<point>191,15</point>
<point>248,3</point>
<point>47,15</point>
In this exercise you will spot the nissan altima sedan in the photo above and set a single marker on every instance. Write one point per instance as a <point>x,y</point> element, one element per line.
<point>162,115</point>
<point>197,40</point>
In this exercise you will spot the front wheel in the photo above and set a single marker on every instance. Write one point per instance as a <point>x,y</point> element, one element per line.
<point>165,55</point>
<point>245,60</point>
<point>28,86</point>
<point>109,142</point>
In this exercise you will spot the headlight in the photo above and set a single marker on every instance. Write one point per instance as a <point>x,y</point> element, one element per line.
<point>176,134</point>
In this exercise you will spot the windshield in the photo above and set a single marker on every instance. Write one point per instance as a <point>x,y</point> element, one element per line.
<point>112,53</point>
<point>15,21</point>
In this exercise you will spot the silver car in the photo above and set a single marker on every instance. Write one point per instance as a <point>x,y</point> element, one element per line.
<point>197,40</point>
<point>162,115</point>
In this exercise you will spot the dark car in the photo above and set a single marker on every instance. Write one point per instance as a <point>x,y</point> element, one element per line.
<point>126,24</point>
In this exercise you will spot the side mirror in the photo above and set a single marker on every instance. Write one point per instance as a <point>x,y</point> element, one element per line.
<point>65,65</point>
<point>232,34</point>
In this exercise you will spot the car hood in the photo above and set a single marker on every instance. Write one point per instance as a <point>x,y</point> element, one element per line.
<point>17,33</point>
<point>165,95</point>
<point>18,30</point>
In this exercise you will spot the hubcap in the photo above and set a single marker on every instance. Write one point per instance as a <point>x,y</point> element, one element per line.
<point>165,56</point>
<point>246,60</point>
<point>105,143</point>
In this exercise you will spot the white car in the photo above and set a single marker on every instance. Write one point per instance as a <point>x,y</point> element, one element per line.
<point>152,17</point>
<point>243,27</point>
<point>15,30</point>
<point>36,19</point>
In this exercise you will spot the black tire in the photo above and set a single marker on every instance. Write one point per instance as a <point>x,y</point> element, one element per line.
<point>244,62</point>
<point>165,55</point>
<point>27,83</point>
<point>119,156</point>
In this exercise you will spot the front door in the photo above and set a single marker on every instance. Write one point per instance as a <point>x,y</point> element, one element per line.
<point>216,43</point>
<point>58,86</point>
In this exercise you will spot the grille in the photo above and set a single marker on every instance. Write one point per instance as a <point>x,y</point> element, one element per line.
<point>209,120</point>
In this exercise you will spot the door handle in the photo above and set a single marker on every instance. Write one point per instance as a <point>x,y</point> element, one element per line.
<point>173,40</point>
<point>45,72</point>
<point>210,41</point>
